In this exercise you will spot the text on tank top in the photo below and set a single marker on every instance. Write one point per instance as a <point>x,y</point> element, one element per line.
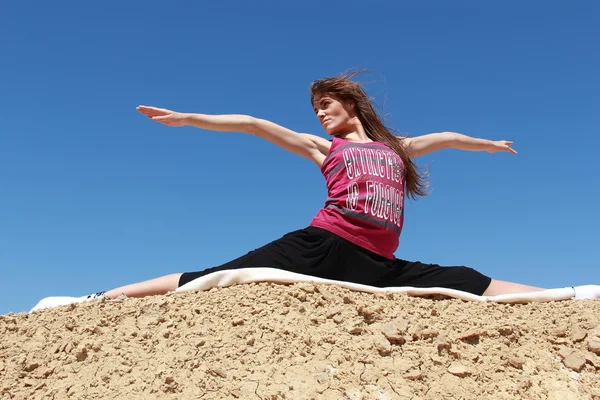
<point>365,202</point>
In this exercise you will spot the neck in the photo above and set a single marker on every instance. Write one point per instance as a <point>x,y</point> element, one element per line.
<point>355,132</point>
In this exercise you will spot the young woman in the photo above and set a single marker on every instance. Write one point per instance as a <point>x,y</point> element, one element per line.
<point>368,172</point>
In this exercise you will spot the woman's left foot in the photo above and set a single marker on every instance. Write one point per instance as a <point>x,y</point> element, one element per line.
<point>587,292</point>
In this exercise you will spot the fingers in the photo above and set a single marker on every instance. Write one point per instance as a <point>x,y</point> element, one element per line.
<point>153,111</point>
<point>505,145</point>
<point>509,143</point>
<point>166,120</point>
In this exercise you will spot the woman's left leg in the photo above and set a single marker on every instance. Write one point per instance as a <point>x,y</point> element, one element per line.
<point>497,287</point>
<point>418,274</point>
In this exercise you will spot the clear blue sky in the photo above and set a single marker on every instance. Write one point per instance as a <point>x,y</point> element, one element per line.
<point>93,195</point>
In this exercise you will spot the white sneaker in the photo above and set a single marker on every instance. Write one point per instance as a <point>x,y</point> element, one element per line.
<point>56,301</point>
<point>587,292</point>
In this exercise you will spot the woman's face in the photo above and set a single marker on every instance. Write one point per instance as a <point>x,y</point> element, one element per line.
<point>333,115</point>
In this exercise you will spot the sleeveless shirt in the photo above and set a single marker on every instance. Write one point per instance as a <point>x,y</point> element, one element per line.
<point>365,195</point>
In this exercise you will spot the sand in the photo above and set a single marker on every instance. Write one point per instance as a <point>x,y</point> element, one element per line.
<point>269,341</point>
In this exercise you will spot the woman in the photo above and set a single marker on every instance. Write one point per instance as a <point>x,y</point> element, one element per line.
<point>368,172</point>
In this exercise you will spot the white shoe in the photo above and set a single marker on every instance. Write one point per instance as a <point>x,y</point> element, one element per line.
<point>587,292</point>
<point>56,301</point>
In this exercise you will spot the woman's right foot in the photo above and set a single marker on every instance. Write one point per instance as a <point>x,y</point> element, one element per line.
<point>56,301</point>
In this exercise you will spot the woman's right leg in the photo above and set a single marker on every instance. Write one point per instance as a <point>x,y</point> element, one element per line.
<point>162,285</point>
<point>307,251</point>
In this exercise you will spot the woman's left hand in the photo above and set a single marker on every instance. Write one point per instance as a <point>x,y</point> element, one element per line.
<point>164,116</point>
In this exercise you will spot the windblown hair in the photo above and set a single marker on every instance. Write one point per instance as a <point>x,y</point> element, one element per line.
<point>344,89</point>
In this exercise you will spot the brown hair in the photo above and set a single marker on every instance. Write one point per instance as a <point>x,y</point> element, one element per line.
<point>343,89</point>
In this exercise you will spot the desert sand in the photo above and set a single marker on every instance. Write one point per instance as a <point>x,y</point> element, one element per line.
<point>303,341</point>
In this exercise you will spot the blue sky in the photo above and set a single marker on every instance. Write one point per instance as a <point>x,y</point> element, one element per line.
<point>93,195</point>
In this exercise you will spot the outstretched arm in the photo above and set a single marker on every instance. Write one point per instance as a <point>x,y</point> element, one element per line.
<point>311,147</point>
<point>426,144</point>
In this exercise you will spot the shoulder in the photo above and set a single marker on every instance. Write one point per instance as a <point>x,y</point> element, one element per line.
<point>322,145</point>
<point>405,140</point>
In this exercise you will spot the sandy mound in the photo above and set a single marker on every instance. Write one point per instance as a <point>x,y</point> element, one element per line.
<point>266,341</point>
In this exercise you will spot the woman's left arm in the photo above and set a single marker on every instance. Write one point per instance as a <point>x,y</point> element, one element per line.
<point>425,144</point>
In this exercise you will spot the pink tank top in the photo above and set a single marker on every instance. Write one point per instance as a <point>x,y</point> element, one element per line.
<point>365,202</point>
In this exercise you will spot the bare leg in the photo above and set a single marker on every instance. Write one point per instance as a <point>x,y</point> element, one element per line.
<point>161,285</point>
<point>502,287</point>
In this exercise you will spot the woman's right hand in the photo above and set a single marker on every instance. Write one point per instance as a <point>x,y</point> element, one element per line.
<point>164,116</point>
<point>501,145</point>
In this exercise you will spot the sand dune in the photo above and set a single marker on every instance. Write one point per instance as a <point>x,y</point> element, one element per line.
<point>268,341</point>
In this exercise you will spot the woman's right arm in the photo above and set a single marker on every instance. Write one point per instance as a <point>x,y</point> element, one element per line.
<point>312,147</point>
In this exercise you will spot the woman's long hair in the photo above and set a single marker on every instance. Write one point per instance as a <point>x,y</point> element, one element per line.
<point>343,89</point>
